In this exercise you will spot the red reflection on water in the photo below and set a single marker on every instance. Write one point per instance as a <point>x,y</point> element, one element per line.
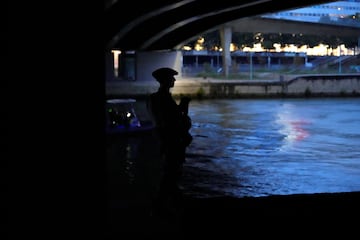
<point>298,131</point>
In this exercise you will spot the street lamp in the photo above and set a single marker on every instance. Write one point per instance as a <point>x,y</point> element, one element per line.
<point>251,66</point>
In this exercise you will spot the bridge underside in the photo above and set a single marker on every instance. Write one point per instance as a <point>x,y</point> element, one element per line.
<point>167,24</point>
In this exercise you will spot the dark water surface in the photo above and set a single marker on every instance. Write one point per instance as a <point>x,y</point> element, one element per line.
<point>262,147</point>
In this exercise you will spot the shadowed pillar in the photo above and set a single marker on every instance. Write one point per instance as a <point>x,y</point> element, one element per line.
<point>225,36</point>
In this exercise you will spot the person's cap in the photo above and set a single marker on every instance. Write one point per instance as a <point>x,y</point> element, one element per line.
<point>163,73</point>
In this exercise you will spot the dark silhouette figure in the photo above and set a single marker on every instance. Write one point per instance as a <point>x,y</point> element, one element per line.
<point>172,126</point>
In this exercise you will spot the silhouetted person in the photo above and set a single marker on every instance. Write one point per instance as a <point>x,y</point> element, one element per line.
<point>172,126</point>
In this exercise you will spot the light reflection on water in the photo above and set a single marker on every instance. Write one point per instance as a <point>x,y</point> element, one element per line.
<point>263,147</point>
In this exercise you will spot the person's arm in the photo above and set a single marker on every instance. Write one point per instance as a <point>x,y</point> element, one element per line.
<point>184,104</point>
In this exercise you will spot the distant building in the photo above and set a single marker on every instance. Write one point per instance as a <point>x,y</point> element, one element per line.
<point>340,12</point>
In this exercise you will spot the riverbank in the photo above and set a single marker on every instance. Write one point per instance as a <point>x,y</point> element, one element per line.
<point>130,210</point>
<point>316,85</point>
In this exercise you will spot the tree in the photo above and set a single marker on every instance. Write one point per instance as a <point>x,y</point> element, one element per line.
<point>268,39</point>
<point>243,39</point>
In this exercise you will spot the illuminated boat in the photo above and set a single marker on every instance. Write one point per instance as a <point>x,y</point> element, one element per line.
<point>121,117</point>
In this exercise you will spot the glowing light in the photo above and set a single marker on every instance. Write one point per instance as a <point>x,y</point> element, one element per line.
<point>201,40</point>
<point>319,50</point>
<point>292,126</point>
<point>198,47</point>
<point>116,54</point>
<point>277,47</point>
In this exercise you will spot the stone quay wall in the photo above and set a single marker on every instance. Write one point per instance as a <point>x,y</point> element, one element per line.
<point>298,86</point>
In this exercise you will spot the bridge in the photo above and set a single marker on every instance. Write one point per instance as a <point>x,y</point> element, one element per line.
<point>158,30</point>
<point>165,24</point>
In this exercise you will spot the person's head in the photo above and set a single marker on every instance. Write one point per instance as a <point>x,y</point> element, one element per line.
<point>165,76</point>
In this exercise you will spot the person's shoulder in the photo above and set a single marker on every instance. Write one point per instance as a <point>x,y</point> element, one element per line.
<point>154,97</point>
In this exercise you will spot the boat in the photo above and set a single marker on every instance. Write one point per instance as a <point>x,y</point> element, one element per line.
<point>121,118</point>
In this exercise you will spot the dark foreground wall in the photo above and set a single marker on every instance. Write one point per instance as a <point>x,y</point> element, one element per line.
<point>312,209</point>
<point>291,216</point>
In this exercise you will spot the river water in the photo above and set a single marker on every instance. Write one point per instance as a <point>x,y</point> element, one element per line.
<point>262,147</point>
